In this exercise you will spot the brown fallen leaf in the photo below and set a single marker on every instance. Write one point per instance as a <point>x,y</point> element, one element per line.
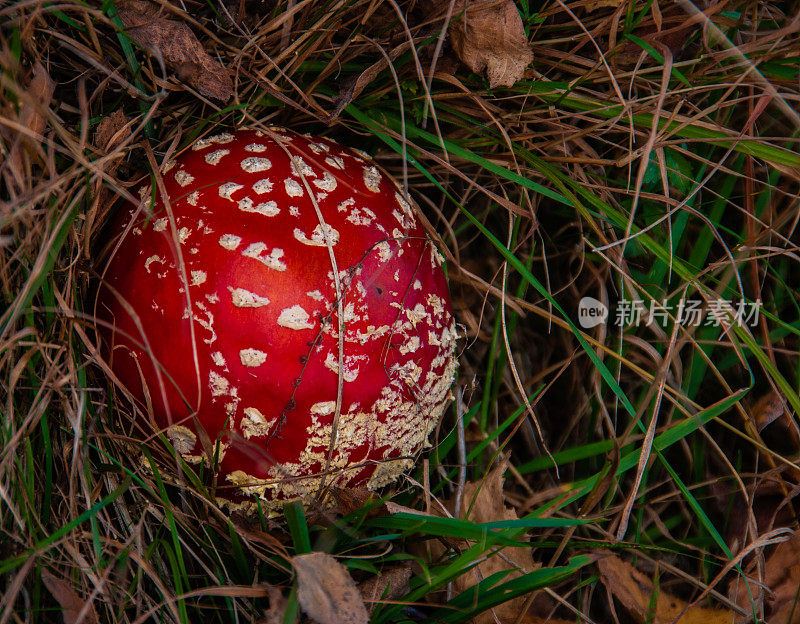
<point>353,87</point>
<point>770,506</point>
<point>776,426</point>
<point>71,603</point>
<point>326,592</point>
<point>634,591</point>
<point>483,501</point>
<point>390,584</point>
<point>234,11</point>
<point>670,29</point>
<point>767,410</point>
<point>543,619</point>
<point>277,607</point>
<point>782,578</point>
<point>349,500</point>
<point>111,131</point>
<point>489,36</point>
<point>394,508</point>
<point>35,100</point>
<point>596,5</point>
<point>148,25</point>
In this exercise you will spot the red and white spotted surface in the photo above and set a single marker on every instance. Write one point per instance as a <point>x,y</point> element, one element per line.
<point>230,313</point>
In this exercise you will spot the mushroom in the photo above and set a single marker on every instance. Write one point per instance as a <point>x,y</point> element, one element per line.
<point>279,292</point>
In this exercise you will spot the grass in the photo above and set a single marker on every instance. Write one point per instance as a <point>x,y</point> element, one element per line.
<point>665,170</point>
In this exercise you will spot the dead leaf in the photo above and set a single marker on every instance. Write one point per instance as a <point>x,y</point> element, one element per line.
<point>234,11</point>
<point>776,425</point>
<point>277,607</point>
<point>379,20</point>
<point>111,131</point>
<point>634,591</point>
<point>595,5</point>
<point>33,102</point>
<point>782,578</point>
<point>390,584</point>
<point>489,35</point>
<point>483,501</point>
<point>670,29</point>
<point>71,603</point>
<point>394,508</point>
<point>349,500</point>
<point>174,41</point>
<point>539,619</point>
<point>353,87</point>
<point>767,410</point>
<point>40,90</point>
<point>326,591</point>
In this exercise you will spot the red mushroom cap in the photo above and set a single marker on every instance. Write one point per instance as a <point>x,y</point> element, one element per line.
<point>225,312</point>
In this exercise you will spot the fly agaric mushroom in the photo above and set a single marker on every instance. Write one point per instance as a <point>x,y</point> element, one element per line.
<point>226,313</point>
